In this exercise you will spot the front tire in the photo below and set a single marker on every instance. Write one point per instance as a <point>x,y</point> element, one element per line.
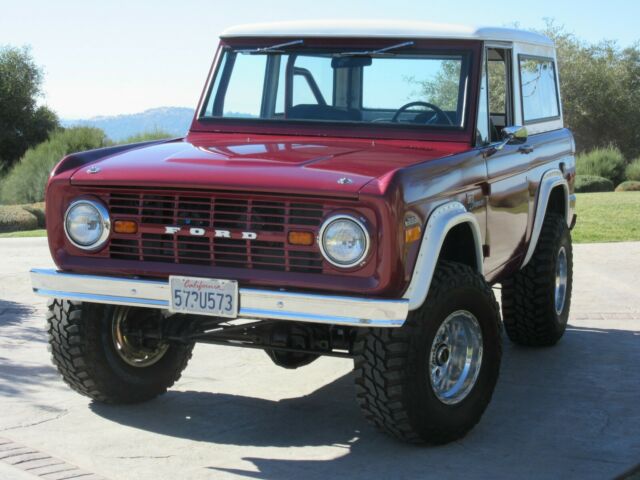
<point>536,300</point>
<point>98,359</point>
<point>431,380</point>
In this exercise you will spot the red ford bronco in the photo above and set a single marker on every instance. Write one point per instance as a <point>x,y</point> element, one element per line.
<point>345,189</point>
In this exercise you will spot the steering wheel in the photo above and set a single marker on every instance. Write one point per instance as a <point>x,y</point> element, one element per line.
<point>439,113</point>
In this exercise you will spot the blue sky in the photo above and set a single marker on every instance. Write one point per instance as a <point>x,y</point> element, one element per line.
<point>106,58</point>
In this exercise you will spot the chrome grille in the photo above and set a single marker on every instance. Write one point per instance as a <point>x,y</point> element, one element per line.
<point>270,219</point>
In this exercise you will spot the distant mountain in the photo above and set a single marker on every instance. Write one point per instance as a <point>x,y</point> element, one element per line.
<point>173,120</point>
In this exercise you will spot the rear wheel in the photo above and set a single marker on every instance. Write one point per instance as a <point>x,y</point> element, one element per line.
<point>536,300</point>
<point>100,353</point>
<point>431,380</point>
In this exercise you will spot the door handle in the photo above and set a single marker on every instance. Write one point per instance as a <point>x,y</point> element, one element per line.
<point>526,149</point>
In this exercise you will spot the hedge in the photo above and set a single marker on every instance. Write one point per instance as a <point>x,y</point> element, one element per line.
<point>592,183</point>
<point>15,218</point>
<point>633,170</point>
<point>37,210</point>
<point>607,162</point>
<point>629,186</point>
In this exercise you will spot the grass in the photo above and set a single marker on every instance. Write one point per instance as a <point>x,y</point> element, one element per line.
<point>607,217</point>
<point>27,233</point>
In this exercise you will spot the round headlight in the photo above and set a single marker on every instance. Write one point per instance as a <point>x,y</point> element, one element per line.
<point>87,224</point>
<point>344,241</point>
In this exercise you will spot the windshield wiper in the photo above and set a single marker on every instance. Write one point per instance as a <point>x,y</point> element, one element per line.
<point>273,48</point>
<point>380,51</point>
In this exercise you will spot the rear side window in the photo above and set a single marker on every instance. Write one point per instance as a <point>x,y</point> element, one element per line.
<point>538,89</point>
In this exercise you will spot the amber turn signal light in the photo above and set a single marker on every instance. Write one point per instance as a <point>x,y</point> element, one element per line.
<point>412,234</point>
<point>125,226</point>
<point>301,238</point>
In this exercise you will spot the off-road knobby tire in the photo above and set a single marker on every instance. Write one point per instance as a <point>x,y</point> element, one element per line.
<point>392,364</point>
<point>528,297</point>
<point>82,348</point>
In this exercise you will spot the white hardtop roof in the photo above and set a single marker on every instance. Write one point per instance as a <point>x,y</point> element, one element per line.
<point>384,29</point>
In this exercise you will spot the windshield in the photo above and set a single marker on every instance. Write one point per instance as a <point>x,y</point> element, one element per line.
<point>421,88</point>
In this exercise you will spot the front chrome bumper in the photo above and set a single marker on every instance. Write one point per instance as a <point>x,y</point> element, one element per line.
<point>254,303</point>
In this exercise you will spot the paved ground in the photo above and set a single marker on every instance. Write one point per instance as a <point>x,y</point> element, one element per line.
<point>569,411</point>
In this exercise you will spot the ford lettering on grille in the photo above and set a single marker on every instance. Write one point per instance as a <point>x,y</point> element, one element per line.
<point>199,232</point>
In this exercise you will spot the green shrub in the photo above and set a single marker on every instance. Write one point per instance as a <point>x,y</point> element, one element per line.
<point>607,162</point>
<point>37,210</point>
<point>592,183</point>
<point>633,170</point>
<point>629,186</point>
<point>26,181</point>
<point>14,218</point>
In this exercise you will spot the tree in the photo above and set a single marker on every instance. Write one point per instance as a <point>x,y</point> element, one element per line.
<point>26,181</point>
<point>23,123</point>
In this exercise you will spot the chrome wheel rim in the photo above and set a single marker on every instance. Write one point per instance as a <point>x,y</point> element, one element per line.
<point>455,357</point>
<point>130,351</point>
<point>561,280</point>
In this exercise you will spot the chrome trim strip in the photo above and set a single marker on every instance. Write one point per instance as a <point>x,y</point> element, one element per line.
<point>254,303</point>
<point>109,299</point>
<point>550,180</point>
<point>443,219</point>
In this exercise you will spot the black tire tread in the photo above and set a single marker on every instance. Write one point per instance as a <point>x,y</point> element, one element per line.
<point>382,361</point>
<point>72,335</point>
<point>526,312</point>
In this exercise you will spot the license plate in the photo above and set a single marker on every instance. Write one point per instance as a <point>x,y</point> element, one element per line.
<point>204,296</point>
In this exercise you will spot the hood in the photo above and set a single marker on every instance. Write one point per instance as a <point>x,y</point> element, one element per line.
<point>309,165</point>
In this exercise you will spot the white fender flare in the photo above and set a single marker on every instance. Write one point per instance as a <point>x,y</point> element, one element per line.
<point>443,219</point>
<point>550,180</point>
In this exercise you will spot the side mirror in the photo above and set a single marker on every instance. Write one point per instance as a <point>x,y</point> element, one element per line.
<point>515,135</point>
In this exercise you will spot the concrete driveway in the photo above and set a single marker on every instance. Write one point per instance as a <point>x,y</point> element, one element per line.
<point>571,411</point>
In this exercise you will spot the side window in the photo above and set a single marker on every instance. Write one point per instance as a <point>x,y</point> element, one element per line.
<point>538,89</point>
<point>499,79</point>
<point>482,128</point>
<point>497,87</point>
<point>499,61</point>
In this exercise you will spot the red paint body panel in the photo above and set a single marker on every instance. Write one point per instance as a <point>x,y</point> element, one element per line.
<point>304,166</point>
<point>296,159</point>
<point>283,164</point>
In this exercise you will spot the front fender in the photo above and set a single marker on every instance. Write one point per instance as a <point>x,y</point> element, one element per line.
<point>443,219</point>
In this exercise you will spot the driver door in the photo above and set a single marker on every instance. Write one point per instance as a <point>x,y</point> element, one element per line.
<point>507,168</point>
